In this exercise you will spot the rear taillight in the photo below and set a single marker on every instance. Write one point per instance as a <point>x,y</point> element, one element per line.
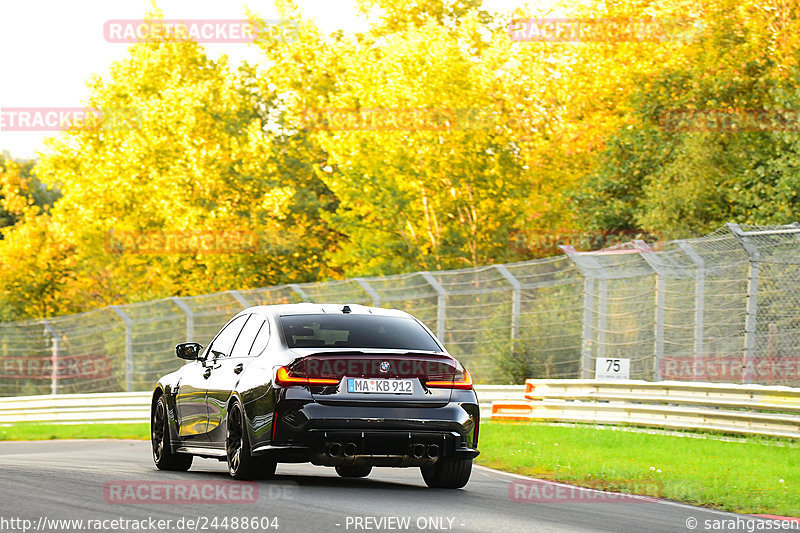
<point>288,378</point>
<point>462,380</point>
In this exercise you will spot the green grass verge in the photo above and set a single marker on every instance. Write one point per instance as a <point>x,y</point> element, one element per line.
<point>34,431</point>
<point>751,475</point>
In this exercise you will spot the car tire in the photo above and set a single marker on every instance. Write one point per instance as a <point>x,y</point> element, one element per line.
<point>241,464</point>
<point>163,455</point>
<point>447,473</point>
<point>353,471</point>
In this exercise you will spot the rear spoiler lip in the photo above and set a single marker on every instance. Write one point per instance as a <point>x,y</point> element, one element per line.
<point>441,357</point>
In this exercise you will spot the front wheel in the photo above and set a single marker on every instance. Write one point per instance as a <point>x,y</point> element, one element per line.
<point>163,456</point>
<point>241,464</point>
<point>447,473</point>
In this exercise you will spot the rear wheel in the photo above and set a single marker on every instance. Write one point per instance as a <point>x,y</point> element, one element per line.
<point>163,456</point>
<point>353,471</point>
<point>447,473</point>
<point>241,464</point>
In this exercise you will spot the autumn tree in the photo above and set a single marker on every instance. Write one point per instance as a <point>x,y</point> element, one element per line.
<point>182,148</point>
<point>710,140</point>
<point>19,188</point>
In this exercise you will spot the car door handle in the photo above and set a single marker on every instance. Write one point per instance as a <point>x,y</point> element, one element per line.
<point>238,368</point>
<point>207,373</point>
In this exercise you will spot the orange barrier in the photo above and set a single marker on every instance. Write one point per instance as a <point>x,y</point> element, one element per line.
<point>512,410</point>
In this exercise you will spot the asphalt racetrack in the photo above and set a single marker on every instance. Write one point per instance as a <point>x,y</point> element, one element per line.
<point>94,481</point>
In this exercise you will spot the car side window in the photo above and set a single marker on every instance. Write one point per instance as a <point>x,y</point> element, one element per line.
<point>261,340</point>
<point>247,336</point>
<point>223,343</point>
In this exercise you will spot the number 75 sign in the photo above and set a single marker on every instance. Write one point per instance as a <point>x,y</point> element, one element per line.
<point>608,368</point>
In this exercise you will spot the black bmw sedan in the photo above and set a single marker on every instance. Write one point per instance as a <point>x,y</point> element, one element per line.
<point>346,386</point>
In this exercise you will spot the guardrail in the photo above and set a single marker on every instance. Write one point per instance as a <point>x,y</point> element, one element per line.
<point>135,406</point>
<point>744,409</point>
<point>488,394</point>
<point>72,408</point>
<point>728,408</point>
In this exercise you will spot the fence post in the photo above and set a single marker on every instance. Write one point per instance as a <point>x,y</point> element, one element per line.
<point>590,268</point>
<point>602,317</point>
<point>751,321</point>
<point>441,303</point>
<point>128,346</point>
<point>189,317</point>
<point>516,302</point>
<point>376,298</point>
<point>588,323</point>
<point>55,348</point>
<point>661,304</point>
<point>300,292</point>
<point>239,298</point>
<point>647,254</point>
<point>699,300</point>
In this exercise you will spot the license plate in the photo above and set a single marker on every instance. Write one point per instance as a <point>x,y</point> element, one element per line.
<point>384,386</point>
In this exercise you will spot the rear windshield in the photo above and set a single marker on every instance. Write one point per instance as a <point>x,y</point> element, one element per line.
<point>356,331</point>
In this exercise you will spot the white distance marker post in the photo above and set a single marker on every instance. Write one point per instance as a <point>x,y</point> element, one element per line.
<point>610,368</point>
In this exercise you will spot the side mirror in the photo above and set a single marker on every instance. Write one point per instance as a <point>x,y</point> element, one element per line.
<point>188,350</point>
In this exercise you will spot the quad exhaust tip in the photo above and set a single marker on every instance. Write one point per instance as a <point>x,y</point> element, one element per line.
<point>433,451</point>
<point>335,449</point>
<point>418,451</point>
<point>350,449</point>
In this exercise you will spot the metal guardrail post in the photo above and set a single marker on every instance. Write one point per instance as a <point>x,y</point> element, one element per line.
<point>376,298</point>
<point>516,301</point>
<point>189,317</point>
<point>751,321</point>
<point>699,299</point>
<point>55,348</point>
<point>128,346</point>
<point>441,304</point>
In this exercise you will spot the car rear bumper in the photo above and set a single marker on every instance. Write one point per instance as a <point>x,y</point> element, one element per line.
<point>375,448</point>
<point>350,434</point>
